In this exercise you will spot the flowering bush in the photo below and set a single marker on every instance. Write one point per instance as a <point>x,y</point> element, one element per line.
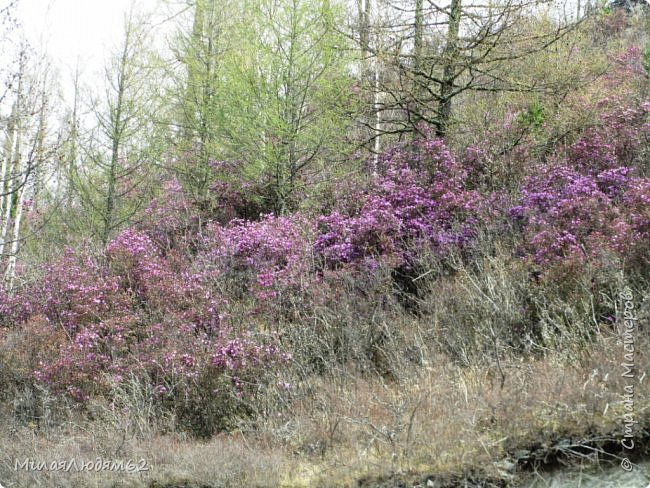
<point>131,311</point>
<point>417,195</point>
<point>575,214</point>
<point>269,255</point>
<point>169,220</point>
<point>235,197</point>
<point>13,309</point>
<point>155,302</point>
<point>75,290</point>
<point>621,137</point>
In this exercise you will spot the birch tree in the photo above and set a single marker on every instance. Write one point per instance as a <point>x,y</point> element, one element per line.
<point>26,151</point>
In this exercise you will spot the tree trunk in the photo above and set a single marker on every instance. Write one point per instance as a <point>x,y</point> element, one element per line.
<point>116,144</point>
<point>14,205</point>
<point>377,110</point>
<point>74,134</point>
<point>40,147</point>
<point>15,243</point>
<point>449,70</point>
<point>5,174</point>
<point>13,172</point>
<point>418,65</point>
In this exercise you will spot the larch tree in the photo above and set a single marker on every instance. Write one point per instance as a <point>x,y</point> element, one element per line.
<point>197,89</point>
<point>115,156</point>
<point>288,94</point>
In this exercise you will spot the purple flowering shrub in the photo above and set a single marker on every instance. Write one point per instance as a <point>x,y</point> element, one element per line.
<point>591,202</point>
<point>130,310</point>
<point>633,237</point>
<point>13,309</point>
<point>565,212</point>
<point>267,257</point>
<point>619,133</point>
<point>417,196</point>
<point>157,303</point>
<point>570,217</point>
<point>236,197</point>
<point>169,219</point>
<point>621,137</point>
<point>75,291</point>
<point>164,285</point>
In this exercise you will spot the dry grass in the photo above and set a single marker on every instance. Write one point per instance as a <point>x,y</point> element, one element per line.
<point>171,460</point>
<point>446,418</point>
<point>340,428</point>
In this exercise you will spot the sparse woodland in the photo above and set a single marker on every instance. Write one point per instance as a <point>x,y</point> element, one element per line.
<point>328,243</point>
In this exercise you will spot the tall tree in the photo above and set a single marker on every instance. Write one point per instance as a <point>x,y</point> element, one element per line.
<point>370,72</point>
<point>111,179</point>
<point>26,151</point>
<point>287,93</point>
<point>199,47</point>
<point>451,49</point>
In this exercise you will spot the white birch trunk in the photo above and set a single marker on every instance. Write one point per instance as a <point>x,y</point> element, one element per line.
<point>14,158</point>
<point>377,124</point>
<point>5,173</point>
<point>7,210</point>
<point>3,197</point>
<point>10,273</point>
<point>11,185</point>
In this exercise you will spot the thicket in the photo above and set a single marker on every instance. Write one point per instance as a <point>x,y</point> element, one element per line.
<point>514,244</point>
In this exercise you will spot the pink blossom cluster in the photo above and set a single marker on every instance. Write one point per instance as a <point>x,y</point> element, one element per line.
<point>591,202</point>
<point>417,196</point>
<point>274,251</point>
<point>130,310</point>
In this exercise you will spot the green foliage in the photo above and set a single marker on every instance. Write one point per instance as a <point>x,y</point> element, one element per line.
<point>534,116</point>
<point>114,180</point>
<point>288,93</point>
<point>269,89</point>
<point>646,58</point>
<point>198,92</point>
